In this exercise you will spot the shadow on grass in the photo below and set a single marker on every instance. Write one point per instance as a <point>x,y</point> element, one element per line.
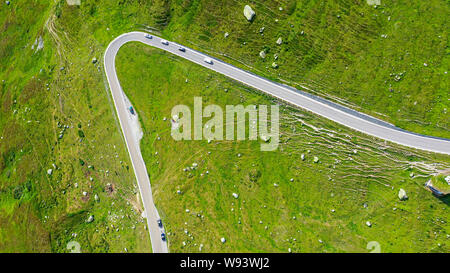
<point>445,199</point>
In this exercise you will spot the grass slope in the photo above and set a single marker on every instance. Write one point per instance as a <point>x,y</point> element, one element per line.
<point>44,91</point>
<point>321,210</point>
<point>55,114</point>
<point>390,61</point>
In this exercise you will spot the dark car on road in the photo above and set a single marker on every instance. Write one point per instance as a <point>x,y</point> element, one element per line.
<point>163,236</point>
<point>159,223</point>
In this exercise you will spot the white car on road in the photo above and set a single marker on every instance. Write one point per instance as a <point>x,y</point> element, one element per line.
<point>164,42</point>
<point>208,60</point>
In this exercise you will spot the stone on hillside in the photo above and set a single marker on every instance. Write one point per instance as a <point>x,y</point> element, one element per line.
<point>226,34</point>
<point>368,223</point>
<point>316,159</point>
<point>235,195</point>
<point>249,13</point>
<point>265,138</point>
<point>374,2</point>
<point>49,171</point>
<point>279,41</point>
<point>90,219</point>
<point>274,65</point>
<point>223,240</point>
<point>302,156</point>
<point>94,60</point>
<point>262,54</point>
<point>96,198</point>
<point>402,195</point>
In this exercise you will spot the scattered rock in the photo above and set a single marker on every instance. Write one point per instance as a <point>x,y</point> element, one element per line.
<point>274,65</point>
<point>261,30</point>
<point>265,138</point>
<point>94,60</point>
<point>316,159</point>
<point>249,13</point>
<point>223,240</point>
<point>368,223</point>
<point>235,195</point>
<point>49,171</point>
<point>225,35</point>
<point>90,219</point>
<point>402,195</point>
<point>279,41</point>
<point>262,54</point>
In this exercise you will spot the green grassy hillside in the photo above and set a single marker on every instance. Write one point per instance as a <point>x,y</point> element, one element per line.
<point>389,61</point>
<point>323,209</point>
<point>56,113</point>
<point>60,145</point>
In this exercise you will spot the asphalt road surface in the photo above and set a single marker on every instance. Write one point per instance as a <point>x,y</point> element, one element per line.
<point>335,112</point>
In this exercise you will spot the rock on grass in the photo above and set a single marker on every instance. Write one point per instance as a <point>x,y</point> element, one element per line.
<point>249,13</point>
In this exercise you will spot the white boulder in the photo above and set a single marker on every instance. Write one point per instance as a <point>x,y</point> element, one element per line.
<point>402,195</point>
<point>249,13</point>
<point>90,219</point>
<point>262,54</point>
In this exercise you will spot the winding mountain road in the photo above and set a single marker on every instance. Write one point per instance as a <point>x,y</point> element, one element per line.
<point>320,106</point>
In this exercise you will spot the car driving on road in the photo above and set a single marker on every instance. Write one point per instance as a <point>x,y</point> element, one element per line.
<point>148,36</point>
<point>163,236</point>
<point>159,223</point>
<point>208,60</point>
<point>182,49</point>
<point>164,42</point>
